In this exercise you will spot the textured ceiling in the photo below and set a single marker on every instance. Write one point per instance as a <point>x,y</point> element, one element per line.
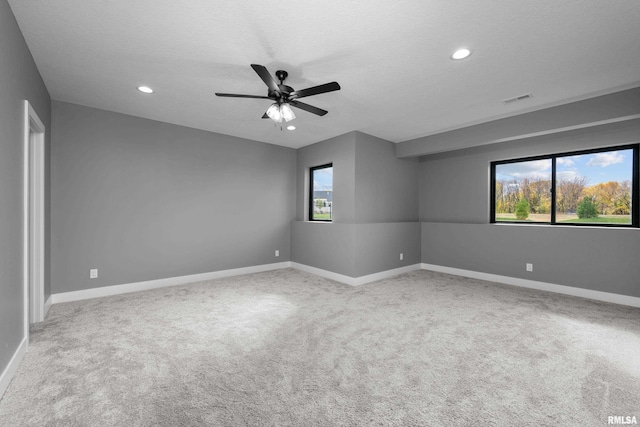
<point>390,57</point>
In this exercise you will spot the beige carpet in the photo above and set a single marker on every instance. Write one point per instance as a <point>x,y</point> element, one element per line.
<point>286,348</point>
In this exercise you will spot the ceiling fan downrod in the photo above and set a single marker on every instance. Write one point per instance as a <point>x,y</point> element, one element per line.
<point>282,76</point>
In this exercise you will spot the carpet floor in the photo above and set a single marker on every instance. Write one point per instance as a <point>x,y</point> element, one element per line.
<point>287,348</point>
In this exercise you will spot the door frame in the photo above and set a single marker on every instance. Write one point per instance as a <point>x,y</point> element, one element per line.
<point>33,217</point>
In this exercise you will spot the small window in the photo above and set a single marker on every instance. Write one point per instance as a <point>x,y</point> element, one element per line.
<point>593,187</point>
<point>321,193</point>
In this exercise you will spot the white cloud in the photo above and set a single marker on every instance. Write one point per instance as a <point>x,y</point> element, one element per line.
<point>531,175</point>
<point>533,169</point>
<point>565,161</point>
<point>605,159</point>
<point>567,175</point>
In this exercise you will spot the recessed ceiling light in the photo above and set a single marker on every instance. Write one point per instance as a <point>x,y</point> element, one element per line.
<point>291,127</point>
<point>145,89</point>
<point>461,53</point>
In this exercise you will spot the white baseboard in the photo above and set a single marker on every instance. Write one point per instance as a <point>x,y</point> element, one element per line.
<point>542,286</point>
<point>385,274</point>
<point>323,273</point>
<point>348,280</point>
<point>180,280</point>
<point>12,367</point>
<point>354,281</point>
<point>161,283</point>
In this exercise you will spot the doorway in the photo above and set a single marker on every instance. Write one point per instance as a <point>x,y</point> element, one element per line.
<point>33,242</point>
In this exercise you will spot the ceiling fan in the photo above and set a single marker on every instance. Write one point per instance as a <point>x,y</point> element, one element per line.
<point>285,96</point>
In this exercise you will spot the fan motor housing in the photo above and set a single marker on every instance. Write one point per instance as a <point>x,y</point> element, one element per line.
<point>285,90</point>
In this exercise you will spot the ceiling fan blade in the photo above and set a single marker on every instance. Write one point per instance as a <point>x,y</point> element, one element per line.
<point>315,90</point>
<point>309,108</point>
<point>266,77</point>
<point>234,95</point>
<point>264,116</point>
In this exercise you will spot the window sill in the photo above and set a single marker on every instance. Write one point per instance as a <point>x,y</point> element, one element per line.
<point>575,226</point>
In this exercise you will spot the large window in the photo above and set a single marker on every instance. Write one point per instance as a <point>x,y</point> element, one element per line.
<point>321,193</point>
<point>593,187</point>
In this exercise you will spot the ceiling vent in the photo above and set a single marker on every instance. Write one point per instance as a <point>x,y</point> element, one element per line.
<point>517,98</point>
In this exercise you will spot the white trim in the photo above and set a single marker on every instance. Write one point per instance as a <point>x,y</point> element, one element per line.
<point>542,286</point>
<point>354,281</point>
<point>180,280</point>
<point>36,210</point>
<point>347,280</point>
<point>12,367</point>
<point>33,237</point>
<point>47,305</point>
<point>25,221</point>
<point>161,283</point>
<point>324,273</point>
<point>385,274</point>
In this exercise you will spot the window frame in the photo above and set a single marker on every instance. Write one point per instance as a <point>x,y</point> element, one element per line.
<point>635,186</point>
<point>311,191</point>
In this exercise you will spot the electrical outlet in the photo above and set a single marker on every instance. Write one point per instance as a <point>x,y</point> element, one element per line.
<point>529,266</point>
<point>277,252</point>
<point>93,273</point>
<point>401,256</point>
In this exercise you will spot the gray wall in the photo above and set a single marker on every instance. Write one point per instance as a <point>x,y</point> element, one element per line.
<point>142,200</point>
<point>19,80</point>
<point>375,208</point>
<point>386,187</point>
<point>355,250</point>
<point>454,209</point>
<point>378,246</point>
<point>329,246</point>
<point>600,259</point>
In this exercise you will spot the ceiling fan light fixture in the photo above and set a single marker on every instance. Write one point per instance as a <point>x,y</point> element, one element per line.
<point>286,112</point>
<point>274,113</point>
<point>284,96</point>
<point>461,53</point>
